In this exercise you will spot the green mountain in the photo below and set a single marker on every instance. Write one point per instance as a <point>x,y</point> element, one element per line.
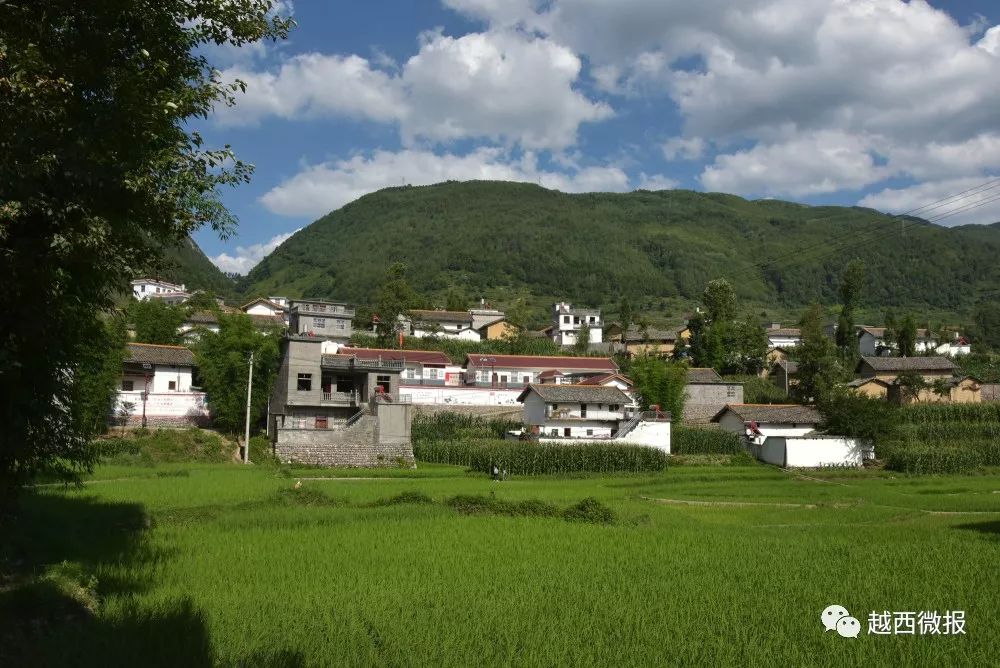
<point>500,239</point>
<point>186,263</point>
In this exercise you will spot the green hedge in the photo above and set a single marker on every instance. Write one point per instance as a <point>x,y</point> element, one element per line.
<point>691,441</point>
<point>532,458</point>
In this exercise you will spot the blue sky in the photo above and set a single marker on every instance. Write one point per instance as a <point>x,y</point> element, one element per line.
<point>884,103</point>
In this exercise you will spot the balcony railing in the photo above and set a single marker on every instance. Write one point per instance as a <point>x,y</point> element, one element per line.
<point>325,309</point>
<point>340,397</point>
<point>352,362</point>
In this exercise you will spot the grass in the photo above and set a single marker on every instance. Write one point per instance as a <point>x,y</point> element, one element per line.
<point>721,565</point>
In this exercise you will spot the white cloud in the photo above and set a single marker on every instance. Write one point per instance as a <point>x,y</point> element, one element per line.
<point>684,148</point>
<point>319,189</point>
<point>503,85</point>
<point>656,182</point>
<point>991,41</point>
<point>246,258</point>
<point>940,201</point>
<point>314,85</point>
<point>822,163</point>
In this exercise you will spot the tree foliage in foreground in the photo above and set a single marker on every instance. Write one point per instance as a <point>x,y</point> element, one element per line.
<point>223,361</point>
<point>99,170</point>
<point>659,382</point>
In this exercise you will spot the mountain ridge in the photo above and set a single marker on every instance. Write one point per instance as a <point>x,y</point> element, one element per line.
<point>504,239</point>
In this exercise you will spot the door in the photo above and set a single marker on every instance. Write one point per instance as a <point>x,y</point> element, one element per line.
<point>583,410</point>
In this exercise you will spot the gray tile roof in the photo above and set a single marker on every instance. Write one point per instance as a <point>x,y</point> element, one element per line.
<point>791,367</point>
<point>697,375</point>
<point>589,394</point>
<point>901,364</point>
<point>773,413</point>
<point>148,353</point>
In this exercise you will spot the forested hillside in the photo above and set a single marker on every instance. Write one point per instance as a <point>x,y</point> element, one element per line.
<point>186,263</point>
<point>485,238</point>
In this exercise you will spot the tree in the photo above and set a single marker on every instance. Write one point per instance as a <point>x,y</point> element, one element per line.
<point>393,299</point>
<point>95,383</point>
<point>819,368</point>
<point>719,299</point>
<point>455,300</point>
<point>747,347</point>
<point>626,316</point>
<point>155,321</point>
<point>910,384</point>
<point>906,336</point>
<point>855,415</point>
<point>582,343</point>
<point>659,382</point>
<point>223,359</point>
<point>99,171</point>
<point>852,285</point>
<point>987,328</point>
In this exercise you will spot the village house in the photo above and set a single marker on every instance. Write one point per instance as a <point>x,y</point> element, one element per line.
<point>706,394</point>
<point>321,318</point>
<point>151,288</point>
<point>768,419</point>
<point>337,409</point>
<point>491,323</point>
<point>937,372</point>
<point>641,340</point>
<point>872,342</point>
<point>197,322</point>
<point>782,337</point>
<point>568,321</point>
<point>267,307</point>
<point>568,413</point>
<point>420,367</point>
<point>785,435</point>
<point>443,324</point>
<point>156,388</point>
<point>517,371</point>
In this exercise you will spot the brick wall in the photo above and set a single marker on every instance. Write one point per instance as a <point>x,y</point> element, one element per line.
<point>354,446</point>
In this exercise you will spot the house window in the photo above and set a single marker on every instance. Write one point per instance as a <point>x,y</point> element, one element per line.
<point>567,431</point>
<point>319,323</point>
<point>590,432</point>
<point>566,319</point>
<point>614,407</point>
<point>526,379</point>
<point>730,391</point>
<point>555,432</point>
<point>434,374</point>
<point>583,410</point>
<point>172,385</point>
<point>321,422</point>
<point>341,324</point>
<point>409,374</point>
<point>555,407</point>
<point>128,385</point>
<point>305,383</point>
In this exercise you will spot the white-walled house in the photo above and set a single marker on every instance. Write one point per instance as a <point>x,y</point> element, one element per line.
<point>444,324</point>
<point>518,371</point>
<point>266,307</point>
<point>590,413</point>
<point>152,288</point>
<point>782,337</point>
<point>574,411</point>
<point>156,388</point>
<point>567,322</point>
<point>769,419</point>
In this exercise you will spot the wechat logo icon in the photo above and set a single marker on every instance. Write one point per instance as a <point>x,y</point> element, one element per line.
<point>837,618</point>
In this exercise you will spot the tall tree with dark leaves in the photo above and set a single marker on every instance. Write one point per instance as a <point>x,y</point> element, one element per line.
<point>155,321</point>
<point>99,170</point>
<point>906,336</point>
<point>393,298</point>
<point>819,366</point>
<point>852,286</point>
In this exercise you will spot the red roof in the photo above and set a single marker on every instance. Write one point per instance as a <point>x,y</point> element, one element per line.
<point>542,362</point>
<point>421,356</point>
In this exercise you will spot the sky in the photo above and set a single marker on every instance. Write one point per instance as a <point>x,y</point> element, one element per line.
<point>881,103</point>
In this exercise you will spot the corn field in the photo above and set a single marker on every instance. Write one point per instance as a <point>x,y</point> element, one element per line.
<point>529,458</point>
<point>688,441</point>
<point>940,413</point>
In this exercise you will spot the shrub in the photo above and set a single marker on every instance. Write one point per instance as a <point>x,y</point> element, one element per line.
<point>407,497</point>
<point>261,451</point>
<point>528,458</point>
<point>693,441</point>
<point>590,510</point>
<point>164,445</point>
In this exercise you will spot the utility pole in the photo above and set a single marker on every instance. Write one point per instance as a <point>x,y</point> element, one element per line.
<point>246,434</point>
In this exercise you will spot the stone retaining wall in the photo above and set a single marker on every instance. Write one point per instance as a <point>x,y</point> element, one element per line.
<point>355,446</point>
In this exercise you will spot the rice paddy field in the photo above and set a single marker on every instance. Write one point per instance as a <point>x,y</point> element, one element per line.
<point>218,564</point>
